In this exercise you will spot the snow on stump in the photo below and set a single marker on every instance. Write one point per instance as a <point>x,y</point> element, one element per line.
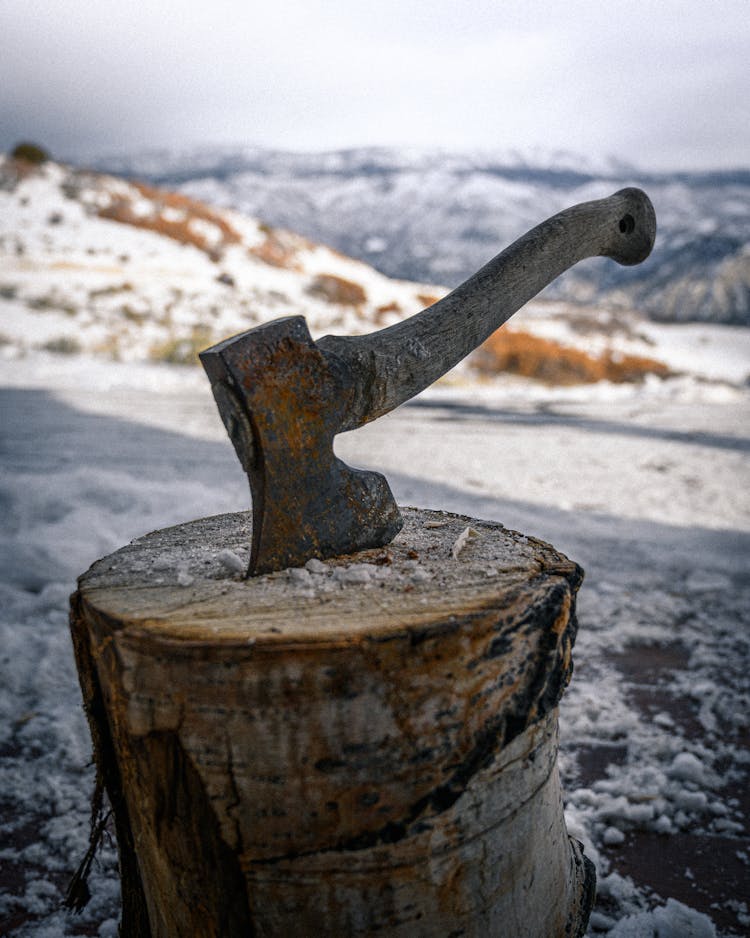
<point>364,746</point>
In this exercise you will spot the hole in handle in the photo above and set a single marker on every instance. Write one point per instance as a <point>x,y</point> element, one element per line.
<point>627,224</point>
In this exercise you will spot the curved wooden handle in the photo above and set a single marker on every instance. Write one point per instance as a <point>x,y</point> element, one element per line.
<point>392,365</point>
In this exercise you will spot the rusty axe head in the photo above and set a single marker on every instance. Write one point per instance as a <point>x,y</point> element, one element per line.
<point>282,402</point>
<point>284,397</point>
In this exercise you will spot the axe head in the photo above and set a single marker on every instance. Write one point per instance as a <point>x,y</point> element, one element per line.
<point>282,402</point>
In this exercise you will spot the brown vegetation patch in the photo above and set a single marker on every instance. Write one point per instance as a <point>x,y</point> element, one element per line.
<point>63,345</point>
<point>133,315</point>
<point>30,153</point>
<point>178,223</point>
<point>182,350</point>
<point>335,289</point>
<point>276,249</point>
<point>531,356</point>
<point>25,160</point>
<point>381,312</point>
<point>109,347</point>
<point>427,299</point>
<point>13,171</point>
<point>111,290</point>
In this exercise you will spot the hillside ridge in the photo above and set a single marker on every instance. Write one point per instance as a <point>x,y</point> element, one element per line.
<point>437,216</point>
<point>119,269</point>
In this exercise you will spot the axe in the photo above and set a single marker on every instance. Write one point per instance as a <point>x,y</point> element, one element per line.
<point>283,397</point>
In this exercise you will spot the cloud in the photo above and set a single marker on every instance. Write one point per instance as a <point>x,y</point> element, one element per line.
<point>653,82</point>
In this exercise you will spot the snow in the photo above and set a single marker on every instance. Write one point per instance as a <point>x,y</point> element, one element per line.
<point>657,512</point>
<point>689,768</point>
<point>673,920</point>
<point>129,292</point>
<point>645,485</point>
<point>231,561</point>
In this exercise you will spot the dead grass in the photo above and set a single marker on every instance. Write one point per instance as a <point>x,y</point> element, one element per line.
<point>133,315</point>
<point>276,250</point>
<point>335,289</point>
<point>109,348</point>
<point>427,299</point>
<point>51,303</point>
<point>531,356</point>
<point>182,350</point>
<point>111,290</point>
<point>63,345</point>
<point>382,313</point>
<point>14,170</point>
<point>176,226</point>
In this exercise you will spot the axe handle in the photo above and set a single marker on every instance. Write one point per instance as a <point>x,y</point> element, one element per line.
<point>392,365</point>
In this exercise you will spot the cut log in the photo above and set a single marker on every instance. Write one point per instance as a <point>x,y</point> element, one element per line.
<point>367,747</point>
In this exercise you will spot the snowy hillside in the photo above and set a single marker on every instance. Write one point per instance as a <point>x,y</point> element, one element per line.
<point>91,263</point>
<point>118,270</point>
<point>437,216</point>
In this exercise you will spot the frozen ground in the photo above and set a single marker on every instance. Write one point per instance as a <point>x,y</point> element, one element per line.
<point>646,487</point>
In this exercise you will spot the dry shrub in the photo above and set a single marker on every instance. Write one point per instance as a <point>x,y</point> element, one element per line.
<point>30,153</point>
<point>109,347</point>
<point>182,350</point>
<point>391,307</point>
<point>13,171</point>
<point>275,250</point>
<point>381,312</point>
<point>532,356</point>
<point>335,289</point>
<point>111,290</point>
<point>24,161</point>
<point>133,315</point>
<point>180,229</point>
<point>63,345</point>
<point>427,299</point>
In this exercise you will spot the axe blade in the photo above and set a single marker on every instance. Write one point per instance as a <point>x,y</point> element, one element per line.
<point>282,402</point>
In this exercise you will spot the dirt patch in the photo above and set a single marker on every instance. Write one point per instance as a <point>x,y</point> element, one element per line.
<point>704,870</point>
<point>701,870</point>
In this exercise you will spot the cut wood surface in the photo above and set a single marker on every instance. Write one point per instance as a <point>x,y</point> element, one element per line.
<point>365,746</point>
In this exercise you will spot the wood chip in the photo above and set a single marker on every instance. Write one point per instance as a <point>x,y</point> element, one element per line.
<point>460,542</point>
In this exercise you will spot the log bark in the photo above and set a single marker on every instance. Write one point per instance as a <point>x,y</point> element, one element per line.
<point>366,749</point>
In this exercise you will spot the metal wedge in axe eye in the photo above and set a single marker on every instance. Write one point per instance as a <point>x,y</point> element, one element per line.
<point>284,397</point>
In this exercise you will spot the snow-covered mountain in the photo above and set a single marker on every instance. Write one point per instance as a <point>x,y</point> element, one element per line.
<point>92,263</point>
<point>438,216</point>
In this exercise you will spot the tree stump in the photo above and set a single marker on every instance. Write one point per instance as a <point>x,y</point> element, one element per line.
<point>367,747</point>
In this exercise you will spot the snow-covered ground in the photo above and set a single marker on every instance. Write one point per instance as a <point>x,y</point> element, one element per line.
<point>646,486</point>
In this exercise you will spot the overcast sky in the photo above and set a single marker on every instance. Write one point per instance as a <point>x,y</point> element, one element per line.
<point>660,83</point>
